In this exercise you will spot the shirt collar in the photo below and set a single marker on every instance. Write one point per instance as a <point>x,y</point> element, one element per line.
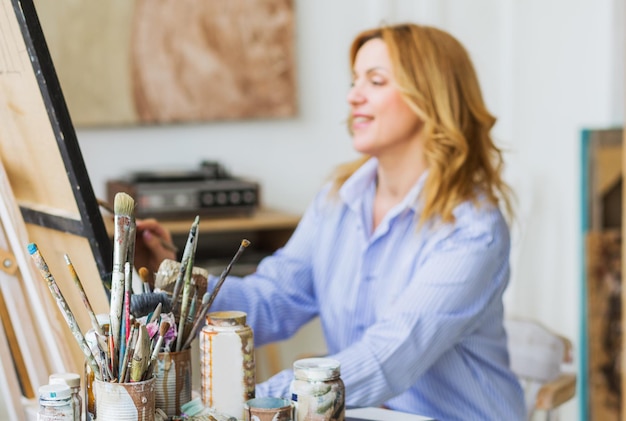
<point>364,179</point>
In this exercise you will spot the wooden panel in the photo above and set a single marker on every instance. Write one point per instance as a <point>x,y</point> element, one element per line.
<point>38,144</point>
<point>47,199</point>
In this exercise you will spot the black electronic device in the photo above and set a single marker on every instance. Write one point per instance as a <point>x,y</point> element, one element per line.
<point>207,191</point>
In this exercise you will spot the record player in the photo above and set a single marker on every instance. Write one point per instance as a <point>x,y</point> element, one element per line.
<point>207,191</point>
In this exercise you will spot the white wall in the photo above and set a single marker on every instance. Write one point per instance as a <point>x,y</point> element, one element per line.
<point>547,69</point>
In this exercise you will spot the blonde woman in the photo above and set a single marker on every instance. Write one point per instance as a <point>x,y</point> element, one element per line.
<point>405,255</point>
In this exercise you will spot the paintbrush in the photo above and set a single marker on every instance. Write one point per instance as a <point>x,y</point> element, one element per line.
<point>92,316</point>
<point>65,310</point>
<point>141,356</point>
<point>124,206</point>
<point>112,365</point>
<point>128,355</point>
<point>93,340</point>
<point>193,307</point>
<point>187,252</point>
<point>165,326</point>
<point>205,307</point>
<point>199,322</point>
<point>103,345</point>
<point>166,244</point>
<point>144,274</point>
<point>152,317</point>
<point>191,314</point>
<point>132,238</point>
<point>185,302</point>
<point>157,346</point>
<point>127,293</point>
<point>125,330</point>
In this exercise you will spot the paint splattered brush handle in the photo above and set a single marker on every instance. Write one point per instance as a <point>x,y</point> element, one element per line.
<point>185,302</point>
<point>205,308</point>
<point>65,310</point>
<point>123,206</point>
<point>92,316</point>
<point>141,356</point>
<point>187,253</point>
<point>199,322</point>
<point>120,248</point>
<point>127,294</point>
<point>132,238</point>
<point>193,307</point>
<point>128,355</point>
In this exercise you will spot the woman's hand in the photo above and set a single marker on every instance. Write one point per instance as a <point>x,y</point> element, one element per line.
<point>153,245</point>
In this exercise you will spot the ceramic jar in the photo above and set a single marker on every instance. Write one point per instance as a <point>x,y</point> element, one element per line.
<point>227,370</point>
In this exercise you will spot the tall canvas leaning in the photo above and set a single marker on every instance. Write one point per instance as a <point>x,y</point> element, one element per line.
<point>47,199</point>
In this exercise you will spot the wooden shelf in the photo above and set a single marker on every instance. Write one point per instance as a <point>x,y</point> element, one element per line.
<point>268,229</point>
<point>261,220</point>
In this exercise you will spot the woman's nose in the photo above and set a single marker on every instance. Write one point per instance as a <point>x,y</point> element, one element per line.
<point>355,96</point>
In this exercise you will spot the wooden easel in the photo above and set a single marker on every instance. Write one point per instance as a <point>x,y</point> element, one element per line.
<point>46,198</point>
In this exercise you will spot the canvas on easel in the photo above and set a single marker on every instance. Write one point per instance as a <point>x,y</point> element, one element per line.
<point>47,199</point>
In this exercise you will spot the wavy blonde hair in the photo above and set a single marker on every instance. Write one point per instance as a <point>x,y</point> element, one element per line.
<point>435,75</point>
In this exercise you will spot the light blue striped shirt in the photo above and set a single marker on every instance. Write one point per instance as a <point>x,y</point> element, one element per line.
<point>414,316</point>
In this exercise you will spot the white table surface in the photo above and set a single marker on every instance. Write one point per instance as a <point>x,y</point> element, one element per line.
<point>380,414</point>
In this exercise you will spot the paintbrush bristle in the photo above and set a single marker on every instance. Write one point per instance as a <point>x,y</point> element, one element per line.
<point>165,326</point>
<point>124,204</point>
<point>144,273</point>
<point>245,243</point>
<point>205,298</point>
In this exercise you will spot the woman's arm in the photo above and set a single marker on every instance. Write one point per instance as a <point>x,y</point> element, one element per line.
<point>453,290</point>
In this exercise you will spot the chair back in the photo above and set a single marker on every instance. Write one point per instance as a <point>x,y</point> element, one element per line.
<point>536,356</point>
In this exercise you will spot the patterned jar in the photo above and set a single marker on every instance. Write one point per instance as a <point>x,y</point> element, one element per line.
<point>317,391</point>
<point>227,370</point>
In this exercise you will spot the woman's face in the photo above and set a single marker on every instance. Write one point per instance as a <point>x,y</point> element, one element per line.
<point>382,123</point>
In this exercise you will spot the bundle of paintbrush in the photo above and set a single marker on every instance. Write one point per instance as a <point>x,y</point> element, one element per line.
<point>133,342</point>
<point>96,345</point>
<point>183,283</point>
<point>128,351</point>
<point>121,282</point>
<point>96,361</point>
<point>181,310</point>
<point>179,286</point>
<point>125,351</point>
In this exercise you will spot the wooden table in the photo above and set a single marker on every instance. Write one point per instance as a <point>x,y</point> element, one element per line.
<point>220,236</point>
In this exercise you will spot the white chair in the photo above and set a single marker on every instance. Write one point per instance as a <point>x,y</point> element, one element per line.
<point>538,358</point>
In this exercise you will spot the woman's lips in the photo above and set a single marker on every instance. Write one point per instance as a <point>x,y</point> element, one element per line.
<point>360,120</point>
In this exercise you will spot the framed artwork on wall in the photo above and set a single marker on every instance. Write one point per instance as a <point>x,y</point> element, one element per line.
<point>138,62</point>
<point>601,349</point>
